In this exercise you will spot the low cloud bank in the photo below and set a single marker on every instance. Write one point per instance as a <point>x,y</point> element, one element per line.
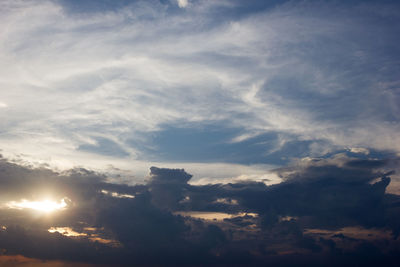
<point>330,211</point>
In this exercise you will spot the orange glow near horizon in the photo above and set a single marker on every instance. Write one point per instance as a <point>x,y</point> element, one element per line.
<point>209,215</point>
<point>66,231</point>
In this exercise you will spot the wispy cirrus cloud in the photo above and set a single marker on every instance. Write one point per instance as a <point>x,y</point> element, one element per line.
<point>285,114</point>
<point>112,82</point>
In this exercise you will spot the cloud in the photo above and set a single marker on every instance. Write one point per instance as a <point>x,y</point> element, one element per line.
<point>182,3</point>
<point>167,186</point>
<point>106,147</point>
<point>359,150</point>
<point>321,208</point>
<point>286,114</point>
<point>291,69</point>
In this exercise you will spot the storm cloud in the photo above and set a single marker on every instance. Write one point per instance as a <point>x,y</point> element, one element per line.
<point>198,132</point>
<point>305,218</point>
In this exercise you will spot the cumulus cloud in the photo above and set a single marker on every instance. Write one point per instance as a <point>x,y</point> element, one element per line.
<point>285,113</point>
<point>167,186</point>
<point>331,208</point>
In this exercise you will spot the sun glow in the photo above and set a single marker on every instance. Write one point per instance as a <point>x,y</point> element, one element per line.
<point>89,234</point>
<point>42,206</point>
<point>66,231</point>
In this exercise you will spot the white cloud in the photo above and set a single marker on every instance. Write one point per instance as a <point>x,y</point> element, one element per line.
<point>182,3</point>
<point>360,150</point>
<point>124,74</point>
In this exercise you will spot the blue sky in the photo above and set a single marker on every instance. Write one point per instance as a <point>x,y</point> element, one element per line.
<point>199,132</point>
<point>245,85</point>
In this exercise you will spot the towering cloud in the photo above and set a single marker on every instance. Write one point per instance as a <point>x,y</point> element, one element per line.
<point>332,208</point>
<point>285,114</point>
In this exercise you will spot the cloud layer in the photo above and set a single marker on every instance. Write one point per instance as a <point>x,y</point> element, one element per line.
<point>112,80</point>
<point>333,211</point>
<point>285,113</point>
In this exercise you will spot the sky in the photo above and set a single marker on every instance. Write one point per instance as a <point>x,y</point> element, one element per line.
<point>243,132</point>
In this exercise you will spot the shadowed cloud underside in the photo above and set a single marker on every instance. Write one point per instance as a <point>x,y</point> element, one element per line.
<point>328,211</point>
<point>199,132</point>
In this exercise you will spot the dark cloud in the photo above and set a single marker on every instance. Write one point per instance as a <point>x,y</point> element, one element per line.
<point>334,196</point>
<point>167,186</point>
<point>329,211</point>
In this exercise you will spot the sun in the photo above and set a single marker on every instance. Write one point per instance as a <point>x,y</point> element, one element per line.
<point>45,206</point>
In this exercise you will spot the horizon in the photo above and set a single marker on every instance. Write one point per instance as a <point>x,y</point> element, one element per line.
<point>199,132</point>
